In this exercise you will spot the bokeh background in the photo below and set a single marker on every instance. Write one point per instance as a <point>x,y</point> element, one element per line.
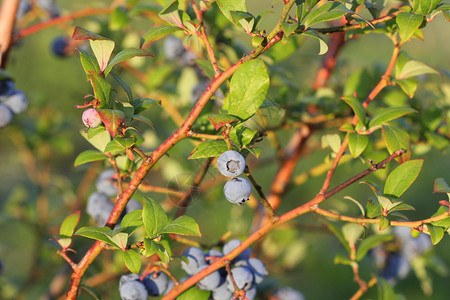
<point>39,184</point>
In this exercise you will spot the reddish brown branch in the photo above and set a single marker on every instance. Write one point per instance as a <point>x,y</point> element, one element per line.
<point>7,19</point>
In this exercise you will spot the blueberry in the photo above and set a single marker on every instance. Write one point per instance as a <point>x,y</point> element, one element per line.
<point>211,281</point>
<point>258,269</point>
<point>6,88</point>
<point>242,276</point>
<point>6,115</point>
<point>17,102</point>
<point>91,118</point>
<point>60,46</point>
<point>233,244</point>
<point>156,283</point>
<point>222,292</point>
<point>211,254</point>
<point>133,205</point>
<point>396,266</point>
<point>287,293</point>
<point>237,190</point>
<point>173,48</point>
<point>196,259</point>
<point>251,293</point>
<point>23,8</point>
<point>231,163</point>
<point>106,183</point>
<point>99,207</point>
<point>169,287</point>
<point>127,277</point>
<point>133,290</point>
<point>50,6</point>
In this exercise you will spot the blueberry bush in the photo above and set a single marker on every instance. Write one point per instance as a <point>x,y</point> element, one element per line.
<point>125,127</point>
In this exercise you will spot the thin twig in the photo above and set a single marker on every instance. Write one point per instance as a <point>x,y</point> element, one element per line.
<point>260,193</point>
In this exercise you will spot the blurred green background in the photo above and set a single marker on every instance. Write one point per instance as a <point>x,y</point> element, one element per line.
<point>40,186</point>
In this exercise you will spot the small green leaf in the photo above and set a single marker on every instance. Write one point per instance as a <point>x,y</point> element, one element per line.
<point>150,247</point>
<point>415,68</point>
<point>89,156</point>
<point>132,219</point>
<point>357,143</point>
<point>154,217</point>
<point>102,50</point>
<point>183,225</point>
<point>102,89</point>
<point>112,119</point>
<point>170,13</point>
<point>79,34</point>
<point>114,148</point>
<point>323,47</point>
<point>227,6</point>
<point>96,233</point>
<point>209,149</point>
<point>157,33</point>
<point>408,85</point>
<point>289,28</point>
<point>332,140</point>
<point>141,104</point>
<point>341,260</point>
<point>91,291</point>
<point>120,239</point>
<point>242,135</point>
<point>402,177</point>
<point>384,223</point>
<point>194,294</point>
<point>68,225</point>
<point>352,232</point>
<point>436,233</point>
<point>132,261</point>
<point>371,242</point>
<point>88,62</point>
<point>407,24</point>
<point>440,186</point>
<point>248,89</point>
<point>124,55</point>
<point>328,11</point>
<point>444,222</point>
<point>397,138</point>
<point>373,186</point>
<point>357,108</point>
<point>220,120</point>
<point>388,114</point>
<point>99,141</point>
<point>373,209</point>
<point>91,132</point>
<point>338,233</point>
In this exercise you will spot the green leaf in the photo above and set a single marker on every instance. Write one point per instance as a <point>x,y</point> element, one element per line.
<point>425,6</point>
<point>369,243</point>
<point>91,291</point>
<point>102,50</point>
<point>132,219</point>
<point>440,186</point>
<point>329,11</point>
<point>124,55</point>
<point>407,24</point>
<point>338,233</point>
<point>99,141</point>
<point>88,62</point>
<point>373,209</point>
<point>384,223</point>
<point>141,104</point>
<point>357,143</point>
<point>193,293</point>
<point>124,85</point>
<point>150,247</point>
<point>112,119</point>
<point>444,222</point>
<point>132,260</point>
<point>89,156</point>
<point>114,148</point>
<point>227,6</point>
<point>96,233</point>
<point>341,260</point>
<point>102,89</point>
<point>79,34</point>
<point>248,89</point>
<point>154,218</point>
<point>357,108</point>
<point>332,140</point>
<point>183,225</point>
<point>209,149</point>
<point>352,232</point>
<point>396,139</point>
<point>289,28</point>
<point>91,132</point>
<point>68,225</point>
<point>402,177</point>
<point>242,135</point>
<point>415,68</point>
<point>157,33</point>
<point>220,120</point>
<point>170,13</point>
<point>323,47</point>
<point>436,233</point>
<point>388,114</point>
<point>385,290</point>
<point>408,85</point>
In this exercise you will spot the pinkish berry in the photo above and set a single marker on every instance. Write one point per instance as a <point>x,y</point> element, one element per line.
<point>91,118</point>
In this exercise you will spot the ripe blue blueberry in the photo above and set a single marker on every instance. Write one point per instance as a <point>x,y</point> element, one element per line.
<point>211,254</point>
<point>17,102</point>
<point>258,269</point>
<point>237,190</point>
<point>132,205</point>
<point>231,163</point>
<point>196,259</point>
<point>288,293</point>
<point>23,8</point>
<point>170,285</point>
<point>99,208</point>
<point>60,46</point>
<point>127,277</point>
<point>243,278</point>
<point>6,88</point>
<point>156,283</point>
<point>222,292</point>
<point>396,266</point>
<point>211,281</point>
<point>6,115</point>
<point>106,183</point>
<point>133,290</point>
<point>251,293</point>
<point>233,244</point>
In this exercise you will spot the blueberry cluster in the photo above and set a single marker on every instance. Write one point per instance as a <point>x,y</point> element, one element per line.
<point>132,287</point>
<point>12,101</point>
<point>238,189</point>
<point>247,272</point>
<point>48,6</point>
<point>99,206</point>
<point>396,264</point>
